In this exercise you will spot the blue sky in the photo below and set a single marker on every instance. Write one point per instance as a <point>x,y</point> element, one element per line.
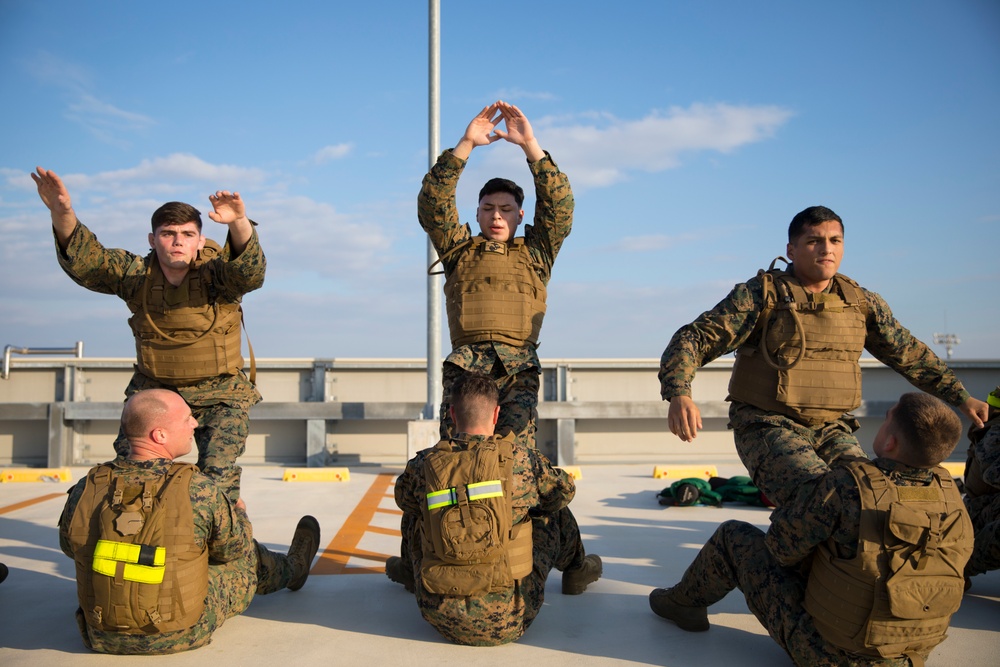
<point>691,131</point>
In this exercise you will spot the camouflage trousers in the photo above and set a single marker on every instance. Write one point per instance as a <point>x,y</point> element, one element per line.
<point>736,557</point>
<point>518,402</point>
<point>502,617</point>
<point>231,587</point>
<point>221,438</point>
<point>985,514</point>
<point>783,456</point>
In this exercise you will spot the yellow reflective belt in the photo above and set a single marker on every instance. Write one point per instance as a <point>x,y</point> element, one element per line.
<point>143,563</point>
<point>477,491</point>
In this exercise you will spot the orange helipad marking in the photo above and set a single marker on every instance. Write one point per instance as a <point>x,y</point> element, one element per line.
<point>344,546</point>
<point>29,503</point>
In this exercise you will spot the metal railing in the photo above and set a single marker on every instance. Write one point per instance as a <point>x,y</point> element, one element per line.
<point>8,350</point>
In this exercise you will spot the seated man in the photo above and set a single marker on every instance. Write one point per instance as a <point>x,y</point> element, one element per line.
<point>879,549</point>
<point>162,556</point>
<point>982,490</point>
<point>484,521</point>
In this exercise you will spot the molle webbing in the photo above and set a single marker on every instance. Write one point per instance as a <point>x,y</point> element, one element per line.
<point>469,545</point>
<point>494,294</point>
<point>184,334</point>
<point>802,358</point>
<point>138,567</point>
<point>897,595</point>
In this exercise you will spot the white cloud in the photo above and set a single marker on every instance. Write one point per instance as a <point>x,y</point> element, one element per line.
<point>599,149</point>
<point>333,152</point>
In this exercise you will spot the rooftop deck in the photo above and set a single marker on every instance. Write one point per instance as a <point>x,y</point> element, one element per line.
<point>348,612</point>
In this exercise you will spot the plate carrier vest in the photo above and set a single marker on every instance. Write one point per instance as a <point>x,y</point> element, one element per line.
<point>493,293</point>
<point>138,569</point>
<point>204,334</point>
<point>897,595</point>
<point>469,545</point>
<point>802,358</point>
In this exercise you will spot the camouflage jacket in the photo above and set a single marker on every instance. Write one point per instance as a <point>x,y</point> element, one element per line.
<point>122,273</point>
<point>832,513</point>
<point>218,524</point>
<point>438,214</point>
<point>731,322</point>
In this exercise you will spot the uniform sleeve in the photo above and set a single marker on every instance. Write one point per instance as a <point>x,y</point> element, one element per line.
<point>556,487</point>
<point>892,344</point>
<point>72,498</point>
<point>236,276</point>
<point>99,269</point>
<point>437,210</point>
<point>553,214</point>
<point>409,487</point>
<point>832,512</point>
<point>714,333</point>
<point>224,528</point>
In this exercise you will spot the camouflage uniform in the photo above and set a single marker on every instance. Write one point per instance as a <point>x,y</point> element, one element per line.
<point>780,453</point>
<point>220,404</point>
<point>772,570</point>
<point>239,567</point>
<point>541,495</point>
<point>515,369</point>
<point>984,508</point>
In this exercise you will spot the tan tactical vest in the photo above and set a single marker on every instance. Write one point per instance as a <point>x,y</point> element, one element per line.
<point>975,485</point>
<point>494,294</point>
<point>897,595</point>
<point>803,361</point>
<point>470,547</point>
<point>138,569</point>
<point>184,335</point>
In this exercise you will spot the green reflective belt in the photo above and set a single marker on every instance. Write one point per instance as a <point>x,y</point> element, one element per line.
<point>478,491</point>
<point>142,563</point>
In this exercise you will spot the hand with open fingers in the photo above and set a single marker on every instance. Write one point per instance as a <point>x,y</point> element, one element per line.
<point>227,207</point>
<point>481,129</point>
<point>518,129</point>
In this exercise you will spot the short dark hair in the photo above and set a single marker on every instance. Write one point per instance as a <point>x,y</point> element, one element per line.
<point>176,213</point>
<point>474,397</point>
<point>495,185</point>
<point>814,215</point>
<point>928,428</point>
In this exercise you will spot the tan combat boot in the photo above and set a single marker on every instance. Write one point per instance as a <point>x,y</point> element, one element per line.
<point>575,581</point>
<point>305,544</point>
<point>692,619</point>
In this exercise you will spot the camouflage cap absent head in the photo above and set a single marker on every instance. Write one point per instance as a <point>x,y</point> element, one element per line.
<point>994,398</point>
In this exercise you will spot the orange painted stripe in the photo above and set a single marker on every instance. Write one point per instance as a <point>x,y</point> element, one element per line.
<point>344,545</point>
<point>29,503</point>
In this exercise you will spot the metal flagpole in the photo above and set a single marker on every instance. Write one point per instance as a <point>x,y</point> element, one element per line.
<point>433,282</point>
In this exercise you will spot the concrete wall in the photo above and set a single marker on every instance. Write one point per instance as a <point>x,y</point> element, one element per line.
<point>64,411</point>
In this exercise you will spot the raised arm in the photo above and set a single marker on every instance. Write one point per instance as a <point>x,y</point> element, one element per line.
<point>228,208</point>
<point>56,197</point>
